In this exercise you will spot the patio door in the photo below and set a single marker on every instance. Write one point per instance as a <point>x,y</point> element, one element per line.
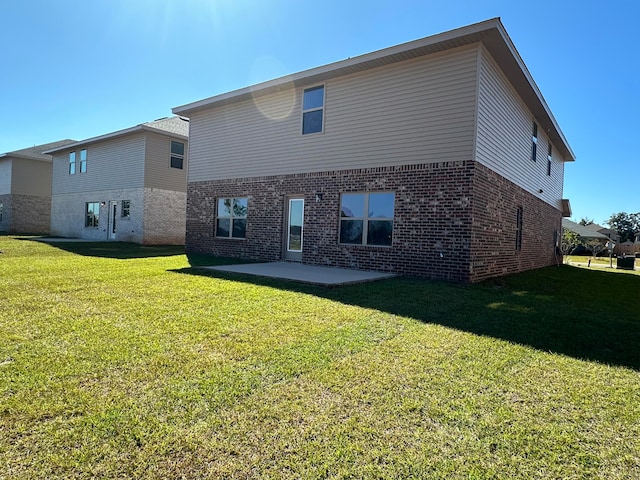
<point>294,229</point>
<point>113,210</point>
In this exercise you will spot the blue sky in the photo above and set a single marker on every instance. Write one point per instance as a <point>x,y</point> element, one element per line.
<point>81,68</point>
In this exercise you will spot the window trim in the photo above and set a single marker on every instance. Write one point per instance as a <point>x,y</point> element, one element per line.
<point>231,218</point>
<point>177,156</point>
<point>549,159</point>
<point>83,160</point>
<point>366,219</point>
<point>534,142</point>
<point>72,162</point>
<point>96,222</point>
<point>314,109</point>
<point>126,209</point>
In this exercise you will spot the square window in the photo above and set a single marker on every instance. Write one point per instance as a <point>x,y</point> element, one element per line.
<point>367,218</point>
<point>231,219</point>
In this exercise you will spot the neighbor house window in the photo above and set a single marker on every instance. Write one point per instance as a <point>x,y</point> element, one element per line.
<point>83,160</point>
<point>312,110</point>
<point>177,155</point>
<point>549,152</point>
<point>534,142</point>
<point>92,214</point>
<point>519,214</point>
<point>231,220</point>
<point>72,163</point>
<point>125,209</point>
<point>1,209</point>
<point>367,218</point>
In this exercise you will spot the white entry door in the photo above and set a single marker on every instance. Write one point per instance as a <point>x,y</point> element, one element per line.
<point>294,229</point>
<point>113,210</point>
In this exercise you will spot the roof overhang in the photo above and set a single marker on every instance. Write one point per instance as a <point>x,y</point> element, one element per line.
<point>491,33</point>
<point>119,133</point>
<point>566,207</point>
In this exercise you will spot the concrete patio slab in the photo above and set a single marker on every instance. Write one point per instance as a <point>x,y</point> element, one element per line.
<point>299,272</point>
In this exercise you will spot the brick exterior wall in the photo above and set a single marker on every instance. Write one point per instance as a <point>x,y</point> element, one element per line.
<point>25,214</point>
<point>452,221</point>
<point>164,217</point>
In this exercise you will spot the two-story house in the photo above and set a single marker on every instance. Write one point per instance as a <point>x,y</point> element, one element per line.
<point>128,185</point>
<point>437,158</point>
<point>25,189</point>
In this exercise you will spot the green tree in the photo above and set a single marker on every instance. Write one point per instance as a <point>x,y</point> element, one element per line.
<point>625,224</point>
<point>585,221</point>
<point>570,240</point>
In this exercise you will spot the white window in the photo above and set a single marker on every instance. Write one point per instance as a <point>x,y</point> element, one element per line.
<point>231,220</point>
<point>177,155</point>
<point>534,142</point>
<point>367,218</point>
<point>92,214</point>
<point>312,110</point>
<point>72,163</point>
<point>125,209</point>
<point>83,160</point>
<point>549,158</point>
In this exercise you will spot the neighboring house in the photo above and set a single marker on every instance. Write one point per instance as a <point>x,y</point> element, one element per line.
<point>587,234</point>
<point>128,185</point>
<point>436,158</point>
<point>25,189</point>
<point>609,233</point>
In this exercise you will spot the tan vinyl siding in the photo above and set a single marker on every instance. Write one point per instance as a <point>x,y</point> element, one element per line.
<point>31,177</point>
<point>111,164</point>
<point>157,170</point>
<point>504,137</point>
<point>417,111</point>
<point>5,176</point>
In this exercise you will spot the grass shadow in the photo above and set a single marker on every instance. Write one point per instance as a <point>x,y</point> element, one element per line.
<point>117,250</point>
<point>590,315</point>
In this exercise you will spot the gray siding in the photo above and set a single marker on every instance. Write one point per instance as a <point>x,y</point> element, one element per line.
<point>157,170</point>
<point>111,164</point>
<point>504,137</point>
<point>5,176</point>
<point>31,177</point>
<point>418,111</point>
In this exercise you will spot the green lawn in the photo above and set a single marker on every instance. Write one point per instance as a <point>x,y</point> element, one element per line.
<point>121,361</point>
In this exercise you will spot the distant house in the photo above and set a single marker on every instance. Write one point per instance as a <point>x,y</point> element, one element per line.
<point>128,185</point>
<point>25,189</point>
<point>436,158</point>
<point>585,232</point>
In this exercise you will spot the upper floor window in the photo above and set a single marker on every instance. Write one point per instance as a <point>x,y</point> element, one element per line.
<point>125,209</point>
<point>1,208</point>
<point>367,218</point>
<point>549,158</point>
<point>534,142</point>
<point>72,163</point>
<point>83,160</point>
<point>177,154</point>
<point>312,110</point>
<point>231,220</point>
<point>92,214</point>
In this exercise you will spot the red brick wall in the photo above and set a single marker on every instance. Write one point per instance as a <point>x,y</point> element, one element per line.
<point>493,240</point>
<point>438,221</point>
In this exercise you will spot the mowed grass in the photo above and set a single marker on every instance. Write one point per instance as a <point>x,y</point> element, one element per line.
<point>121,361</point>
